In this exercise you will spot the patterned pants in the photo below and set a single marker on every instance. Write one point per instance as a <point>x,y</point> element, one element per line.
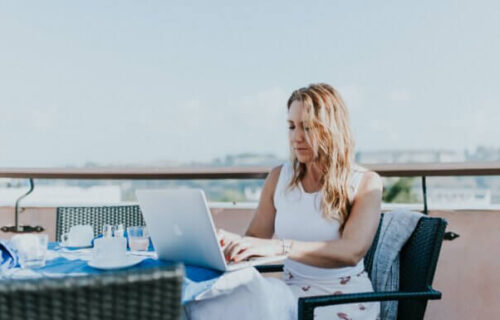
<point>304,287</point>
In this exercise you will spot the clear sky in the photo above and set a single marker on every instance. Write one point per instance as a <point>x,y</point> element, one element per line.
<point>141,81</point>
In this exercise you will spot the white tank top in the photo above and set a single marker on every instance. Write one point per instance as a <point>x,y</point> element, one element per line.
<point>299,217</point>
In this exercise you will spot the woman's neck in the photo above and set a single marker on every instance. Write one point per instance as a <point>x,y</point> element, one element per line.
<point>313,170</point>
<point>312,179</point>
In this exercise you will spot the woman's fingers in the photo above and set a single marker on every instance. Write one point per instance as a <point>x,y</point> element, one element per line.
<point>254,250</point>
<point>239,247</point>
<point>220,238</point>
<point>229,248</point>
<point>236,249</point>
<point>228,245</point>
<point>245,254</point>
<point>225,238</point>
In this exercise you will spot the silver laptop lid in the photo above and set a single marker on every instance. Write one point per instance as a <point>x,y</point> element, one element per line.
<point>181,226</point>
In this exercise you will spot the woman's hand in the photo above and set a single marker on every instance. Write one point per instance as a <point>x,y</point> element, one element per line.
<point>238,249</point>
<point>226,237</point>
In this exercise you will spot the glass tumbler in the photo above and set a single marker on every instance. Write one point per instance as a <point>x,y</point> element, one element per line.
<point>119,230</point>
<point>138,238</point>
<point>31,249</point>
<point>107,231</point>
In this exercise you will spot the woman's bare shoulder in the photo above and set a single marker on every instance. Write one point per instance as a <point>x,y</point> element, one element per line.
<point>275,172</point>
<point>272,178</point>
<point>370,179</point>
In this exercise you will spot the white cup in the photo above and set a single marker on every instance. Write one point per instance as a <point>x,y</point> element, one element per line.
<point>78,236</point>
<point>110,250</point>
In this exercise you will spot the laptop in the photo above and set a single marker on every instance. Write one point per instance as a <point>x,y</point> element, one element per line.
<point>182,230</point>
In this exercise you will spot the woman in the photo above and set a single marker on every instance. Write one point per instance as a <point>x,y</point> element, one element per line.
<point>322,209</point>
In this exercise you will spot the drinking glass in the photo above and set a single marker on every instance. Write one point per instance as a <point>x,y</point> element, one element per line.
<point>138,238</point>
<point>107,231</point>
<point>31,249</point>
<point>119,230</point>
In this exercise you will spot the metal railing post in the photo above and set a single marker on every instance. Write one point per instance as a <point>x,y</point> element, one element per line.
<point>16,228</point>
<point>424,191</point>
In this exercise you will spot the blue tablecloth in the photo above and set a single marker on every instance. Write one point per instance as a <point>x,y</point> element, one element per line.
<point>196,280</point>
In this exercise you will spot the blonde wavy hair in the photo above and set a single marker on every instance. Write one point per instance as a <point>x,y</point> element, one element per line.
<point>331,140</point>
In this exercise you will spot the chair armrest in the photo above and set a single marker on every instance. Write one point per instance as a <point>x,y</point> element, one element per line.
<point>307,304</point>
<point>270,268</point>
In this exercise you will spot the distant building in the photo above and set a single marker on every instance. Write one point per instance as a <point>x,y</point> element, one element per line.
<point>9,183</point>
<point>452,198</point>
<point>251,159</point>
<point>483,154</point>
<point>409,156</point>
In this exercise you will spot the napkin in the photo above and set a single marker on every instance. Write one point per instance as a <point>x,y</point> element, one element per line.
<point>8,258</point>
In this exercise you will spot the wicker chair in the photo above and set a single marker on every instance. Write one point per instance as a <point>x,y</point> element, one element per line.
<point>418,260</point>
<point>153,293</point>
<point>97,217</point>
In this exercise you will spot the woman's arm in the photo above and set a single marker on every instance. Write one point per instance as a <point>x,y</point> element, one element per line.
<point>258,240</point>
<point>262,224</point>
<point>358,233</point>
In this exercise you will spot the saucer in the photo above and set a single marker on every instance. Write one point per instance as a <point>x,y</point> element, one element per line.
<point>127,261</point>
<point>75,247</point>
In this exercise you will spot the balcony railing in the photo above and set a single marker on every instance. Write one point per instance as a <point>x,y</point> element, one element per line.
<point>422,170</point>
<point>385,170</point>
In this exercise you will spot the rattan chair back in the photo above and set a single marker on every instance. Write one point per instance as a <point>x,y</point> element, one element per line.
<point>129,215</point>
<point>418,260</point>
<point>151,294</point>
